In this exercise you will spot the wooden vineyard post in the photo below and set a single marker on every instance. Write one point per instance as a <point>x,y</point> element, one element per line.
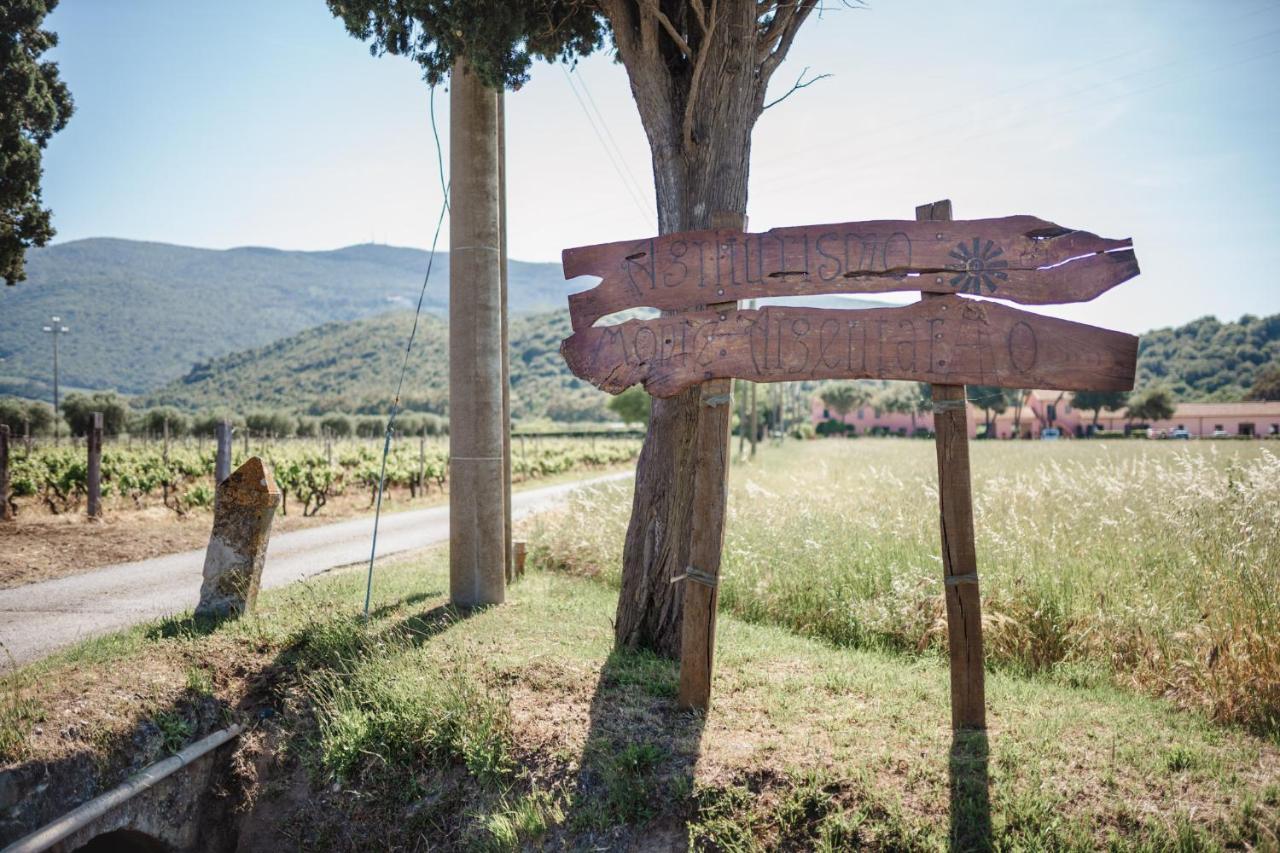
<point>94,477</point>
<point>959,559</point>
<point>6,514</point>
<point>222,457</point>
<point>711,447</point>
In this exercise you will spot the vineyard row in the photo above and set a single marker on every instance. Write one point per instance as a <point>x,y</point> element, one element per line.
<point>181,477</point>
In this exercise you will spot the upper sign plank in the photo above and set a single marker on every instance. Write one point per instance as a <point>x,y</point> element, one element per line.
<point>1020,258</point>
<point>949,340</point>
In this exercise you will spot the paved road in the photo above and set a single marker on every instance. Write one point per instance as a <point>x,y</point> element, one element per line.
<point>38,618</point>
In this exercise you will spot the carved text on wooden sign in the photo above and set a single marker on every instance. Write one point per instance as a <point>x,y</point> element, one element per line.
<point>1020,258</point>
<point>948,340</point>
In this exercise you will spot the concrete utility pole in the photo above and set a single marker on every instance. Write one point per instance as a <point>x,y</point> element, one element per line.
<point>477,530</point>
<point>56,329</point>
<point>508,545</point>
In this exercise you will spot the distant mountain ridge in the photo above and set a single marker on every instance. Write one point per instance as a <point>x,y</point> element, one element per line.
<point>142,313</point>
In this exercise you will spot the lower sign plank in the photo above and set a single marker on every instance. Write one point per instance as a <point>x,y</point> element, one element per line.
<point>949,340</point>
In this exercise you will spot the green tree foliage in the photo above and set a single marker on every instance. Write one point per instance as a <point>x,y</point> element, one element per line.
<point>632,405</point>
<point>1151,404</point>
<point>992,399</point>
<point>905,398</point>
<point>78,409</point>
<point>842,397</point>
<point>280,424</point>
<point>154,421</point>
<point>1096,401</point>
<point>1266,384</point>
<point>338,426</point>
<point>36,105</point>
<point>1208,359</point>
<point>499,38</point>
<point>20,415</point>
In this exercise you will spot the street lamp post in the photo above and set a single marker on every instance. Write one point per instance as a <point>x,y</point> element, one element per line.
<point>56,329</point>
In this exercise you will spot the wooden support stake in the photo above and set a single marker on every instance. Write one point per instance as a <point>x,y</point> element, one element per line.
<point>521,553</point>
<point>959,560</point>
<point>222,459</point>
<point>711,449</point>
<point>6,513</point>
<point>94,444</point>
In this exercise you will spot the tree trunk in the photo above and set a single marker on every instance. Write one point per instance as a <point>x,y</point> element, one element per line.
<point>700,165</point>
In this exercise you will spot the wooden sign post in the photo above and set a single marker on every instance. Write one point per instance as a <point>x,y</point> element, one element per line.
<point>5,512</point>
<point>948,339</point>
<point>710,502</point>
<point>94,472</point>
<point>959,560</point>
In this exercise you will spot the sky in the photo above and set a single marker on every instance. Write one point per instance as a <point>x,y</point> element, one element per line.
<point>240,122</point>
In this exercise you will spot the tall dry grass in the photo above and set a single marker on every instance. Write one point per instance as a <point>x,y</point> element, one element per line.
<point>1152,564</point>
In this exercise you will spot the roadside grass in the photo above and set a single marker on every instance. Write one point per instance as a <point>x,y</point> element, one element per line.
<point>1151,565</point>
<point>520,726</point>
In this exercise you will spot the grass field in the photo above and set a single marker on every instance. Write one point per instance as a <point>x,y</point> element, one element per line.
<point>1152,565</point>
<point>521,728</point>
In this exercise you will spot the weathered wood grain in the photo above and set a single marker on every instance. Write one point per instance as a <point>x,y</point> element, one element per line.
<point>959,554</point>
<point>947,340</point>
<point>710,459</point>
<point>1020,258</point>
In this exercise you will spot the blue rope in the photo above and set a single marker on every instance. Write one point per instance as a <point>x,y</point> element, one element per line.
<point>404,367</point>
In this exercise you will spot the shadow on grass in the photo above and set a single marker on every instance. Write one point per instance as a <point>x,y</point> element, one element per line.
<point>187,625</point>
<point>640,751</point>
<point>970,792</point>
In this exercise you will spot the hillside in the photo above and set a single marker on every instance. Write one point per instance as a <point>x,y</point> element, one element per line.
<point>353,366</point>
<point>142,313</point>
<point>1207,359</point>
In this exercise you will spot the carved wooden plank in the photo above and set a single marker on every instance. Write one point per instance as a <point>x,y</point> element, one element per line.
<point>1020,258</point>
<point>947,340</point>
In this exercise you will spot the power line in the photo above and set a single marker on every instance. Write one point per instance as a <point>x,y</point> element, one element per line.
<point>408,349</point>
<point>600,137</point>
<point>582,81</point>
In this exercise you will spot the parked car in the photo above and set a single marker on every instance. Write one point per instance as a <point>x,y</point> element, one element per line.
<point>1180,432</point>
<point>1050,434</point>
<point>1220,433</point>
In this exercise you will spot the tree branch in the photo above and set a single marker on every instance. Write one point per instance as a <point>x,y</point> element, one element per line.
<point>785,36</point>
<point>695,77</point>
<point>656,11</point>
<point>800,83</point>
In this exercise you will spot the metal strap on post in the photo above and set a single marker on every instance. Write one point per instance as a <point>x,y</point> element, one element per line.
<point>696,575</point>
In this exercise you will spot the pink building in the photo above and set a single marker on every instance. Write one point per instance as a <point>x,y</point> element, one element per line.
<point>1053,409</point>
<point>1209,419</point>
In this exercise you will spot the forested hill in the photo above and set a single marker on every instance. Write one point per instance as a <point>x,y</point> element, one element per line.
<point>142,313</point>
<point>1207,359</point>
<point>353,367</point>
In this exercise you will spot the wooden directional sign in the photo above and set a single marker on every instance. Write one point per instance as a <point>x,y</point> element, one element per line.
<point>1019,258</point>
<point>946,340</point>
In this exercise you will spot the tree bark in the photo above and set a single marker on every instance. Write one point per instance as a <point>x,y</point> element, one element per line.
<point>698,99</point>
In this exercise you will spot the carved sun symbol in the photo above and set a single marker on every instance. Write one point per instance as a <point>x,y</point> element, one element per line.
<point>977,266</point>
